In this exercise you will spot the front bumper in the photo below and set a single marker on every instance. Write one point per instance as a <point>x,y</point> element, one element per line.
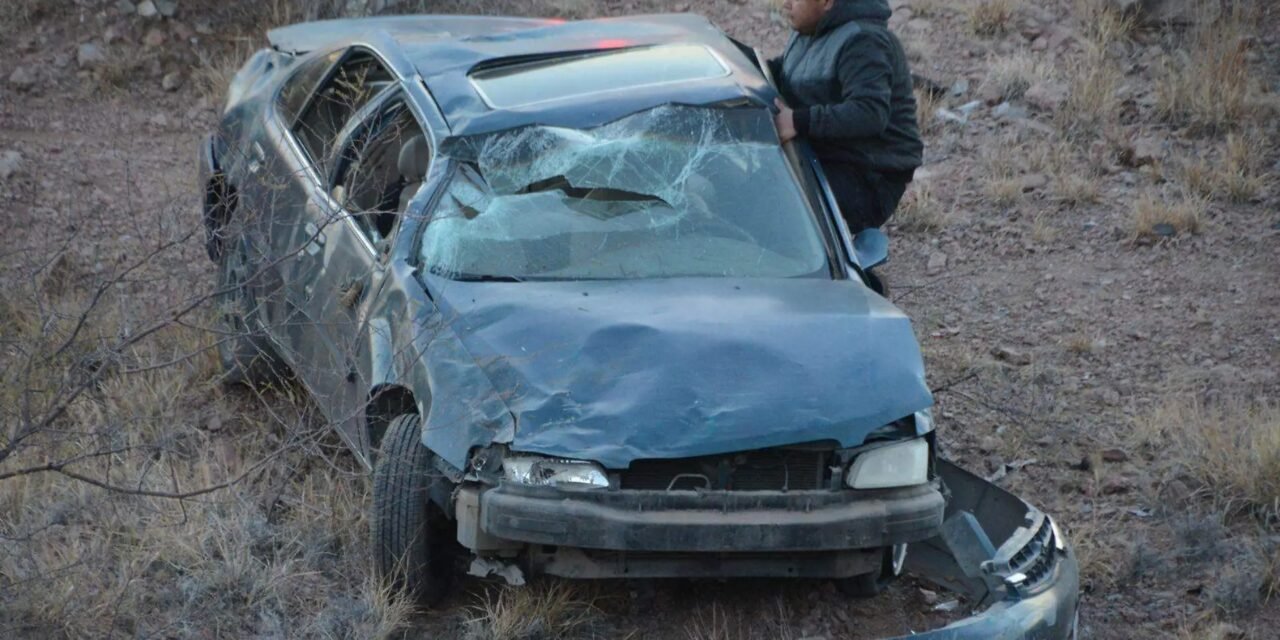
<point>711,521</point>
<point>1006,557</point>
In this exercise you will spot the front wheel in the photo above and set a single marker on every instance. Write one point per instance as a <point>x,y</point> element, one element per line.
<point>871,584</point>
<point>412,547</point>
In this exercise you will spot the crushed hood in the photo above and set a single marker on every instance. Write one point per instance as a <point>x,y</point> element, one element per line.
<point>615,371</point>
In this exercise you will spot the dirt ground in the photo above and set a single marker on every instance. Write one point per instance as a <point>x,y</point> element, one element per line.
<point>1077,294</point>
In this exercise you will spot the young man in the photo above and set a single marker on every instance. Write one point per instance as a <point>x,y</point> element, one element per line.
<point>848,90</point>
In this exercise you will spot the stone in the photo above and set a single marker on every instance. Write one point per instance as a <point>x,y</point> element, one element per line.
<point>1033,181</point>
<point>147,9</point>
<point>167,8</point>
<point>10,163</point>
<point>203,27</point>
<point>126,7</point>
<point>960,87</point>
<point>171,81</point>
<point>1164,230</point>
<point>112,34</point>
<point>22,78</point>
<point>1114,486</point>
<point>154,38</point>
<point>1046,96</point>
<point>1141,152</point>
<point>937,263</point>
<point>90,55</point>
<point>181,31</point>
<point>1011,356</point>
<point>1010,111</point>
<point>1115,455</point>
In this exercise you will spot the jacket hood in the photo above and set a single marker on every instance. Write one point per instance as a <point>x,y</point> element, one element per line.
<point>614,371</point>
<point>849,10</point>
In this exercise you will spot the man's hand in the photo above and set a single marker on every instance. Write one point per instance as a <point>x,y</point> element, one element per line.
<point>784,121</point>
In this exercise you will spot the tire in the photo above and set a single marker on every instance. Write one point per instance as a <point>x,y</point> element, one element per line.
<point>245,354</point>
<point>412,540</point>
<point>869,585</point>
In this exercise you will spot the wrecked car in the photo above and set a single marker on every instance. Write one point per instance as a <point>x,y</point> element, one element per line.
<point>561,290</point>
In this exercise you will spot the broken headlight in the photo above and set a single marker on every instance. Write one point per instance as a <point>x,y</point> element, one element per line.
<point>556,472</point>
<point>900,464</point>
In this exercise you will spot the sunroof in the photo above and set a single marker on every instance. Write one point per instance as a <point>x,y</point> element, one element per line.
<point>527,83</point>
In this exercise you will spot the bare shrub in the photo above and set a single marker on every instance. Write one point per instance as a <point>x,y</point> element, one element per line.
<point>991,17</point>
<point>927,105</point>
<point>1102,24</point>
<point>1091,97</point>
<point>1237,175</point>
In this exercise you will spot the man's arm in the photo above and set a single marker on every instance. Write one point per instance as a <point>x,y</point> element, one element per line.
<point>865,84</point>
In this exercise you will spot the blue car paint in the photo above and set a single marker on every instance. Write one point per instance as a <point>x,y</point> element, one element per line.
<point>615,371</point>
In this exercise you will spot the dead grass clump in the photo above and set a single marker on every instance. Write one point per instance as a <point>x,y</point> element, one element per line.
<point>1091,97</point>
<point>1232,448</point>
<point>1153,216</point>
<point>121,68</point>
<point>1011,76</point>
<point>553,609</point>
<point>1102,24</point>
<point>920,210</point>
<point>1237,176</point>
<point>927,104</point>
<point>930,8</point>
<point>992,17</point>
<point>1207,83</point>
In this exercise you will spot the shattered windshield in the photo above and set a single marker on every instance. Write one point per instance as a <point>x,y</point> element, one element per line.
<point>670,192</point>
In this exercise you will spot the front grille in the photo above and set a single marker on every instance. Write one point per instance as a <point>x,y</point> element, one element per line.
<point>1035,560</point>
<point>762,470</point>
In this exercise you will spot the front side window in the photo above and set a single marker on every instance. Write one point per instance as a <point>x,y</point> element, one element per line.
<point>351,86</point>
<point>381,169</point>
<point>293,95</point>
<point>670,192</point>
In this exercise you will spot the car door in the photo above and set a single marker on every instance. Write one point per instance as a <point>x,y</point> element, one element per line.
<point>377,169</point>
<point>312,233</point>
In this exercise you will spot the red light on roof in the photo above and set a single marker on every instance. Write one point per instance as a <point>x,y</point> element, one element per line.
<point>612,43</point>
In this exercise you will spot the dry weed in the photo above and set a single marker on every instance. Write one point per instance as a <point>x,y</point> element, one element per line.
<point>1011,76</point>
<point>920,210</point>
<point>1232,448</point>
<point>1238,176</point>
<point>927,104</point>
<point>555,609</point>
<point>1207,83</point>
<point>1153,216</point>
<point>930,8</point>
<point>1091,98</point>
<point>991,17</point>
<point>1102,24</point>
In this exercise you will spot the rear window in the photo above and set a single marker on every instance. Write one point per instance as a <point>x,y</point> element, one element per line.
<point>596,72</point>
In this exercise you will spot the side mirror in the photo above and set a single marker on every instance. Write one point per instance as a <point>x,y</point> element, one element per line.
<point>871,247</point>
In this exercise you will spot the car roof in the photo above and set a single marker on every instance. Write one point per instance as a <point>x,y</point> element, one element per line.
<point>446,51</point>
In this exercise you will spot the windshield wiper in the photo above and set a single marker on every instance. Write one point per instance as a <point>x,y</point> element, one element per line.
<point>561,183</point>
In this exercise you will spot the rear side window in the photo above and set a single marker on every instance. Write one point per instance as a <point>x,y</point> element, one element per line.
<point>293,96</point>
<point>353,84</point>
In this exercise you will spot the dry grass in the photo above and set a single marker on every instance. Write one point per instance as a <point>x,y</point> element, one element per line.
<point>1238,175</point>
<point>920,211</point>
<point>1102,24</point>
<point>1011,76</point>
<point>991,17</point>
<point>927,104</point>
<point>1003,185</point>
<point>552,609</point>
<point>1230,448</point>
<point>120,70</point>
<point>1207,84</point>
<point>213,74</point>
<point>930,8</point>
<point>1183,212</point>
<point>1091,101</point>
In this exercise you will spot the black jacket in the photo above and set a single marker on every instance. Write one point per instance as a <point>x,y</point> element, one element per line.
<point>851,90</point>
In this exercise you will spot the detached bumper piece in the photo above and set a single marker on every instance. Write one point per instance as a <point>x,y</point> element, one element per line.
<point>711,521</point>
<point>1006,557</point>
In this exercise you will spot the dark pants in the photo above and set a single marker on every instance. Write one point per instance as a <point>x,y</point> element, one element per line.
<point>866,198</point>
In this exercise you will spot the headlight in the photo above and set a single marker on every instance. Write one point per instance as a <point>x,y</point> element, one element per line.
<point>900,464</point>
<point>554,472</point>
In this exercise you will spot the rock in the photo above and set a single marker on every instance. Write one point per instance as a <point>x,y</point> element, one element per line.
<point>960,87</point>
<point>10,163</point>
<point>147,9</point>
<point>1011,356</point>
<point>181,31</point>
<point>126,7</point>
<point>968,108</point>
<point>930,597</point>
<point>1141,152</point>
<point>1046,95</point>
<point>1114,486</point>
<point>1040,44</point>
<point>1033,181</point>
<point>937,263</point>
<point>90,55</point>
<point>1115,455</point>
<point>22,78</point>
<point>154,38</point>
<point>61,60</point>
<point>171,81</point>
<point>1124,6</point>
<point>1164,230</point>
<point>112,34</point>
<point>988,444</point>
<point>1010,111</point>
<point>203,27</point>
<point>167,8</point>
<point>159,120</point>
